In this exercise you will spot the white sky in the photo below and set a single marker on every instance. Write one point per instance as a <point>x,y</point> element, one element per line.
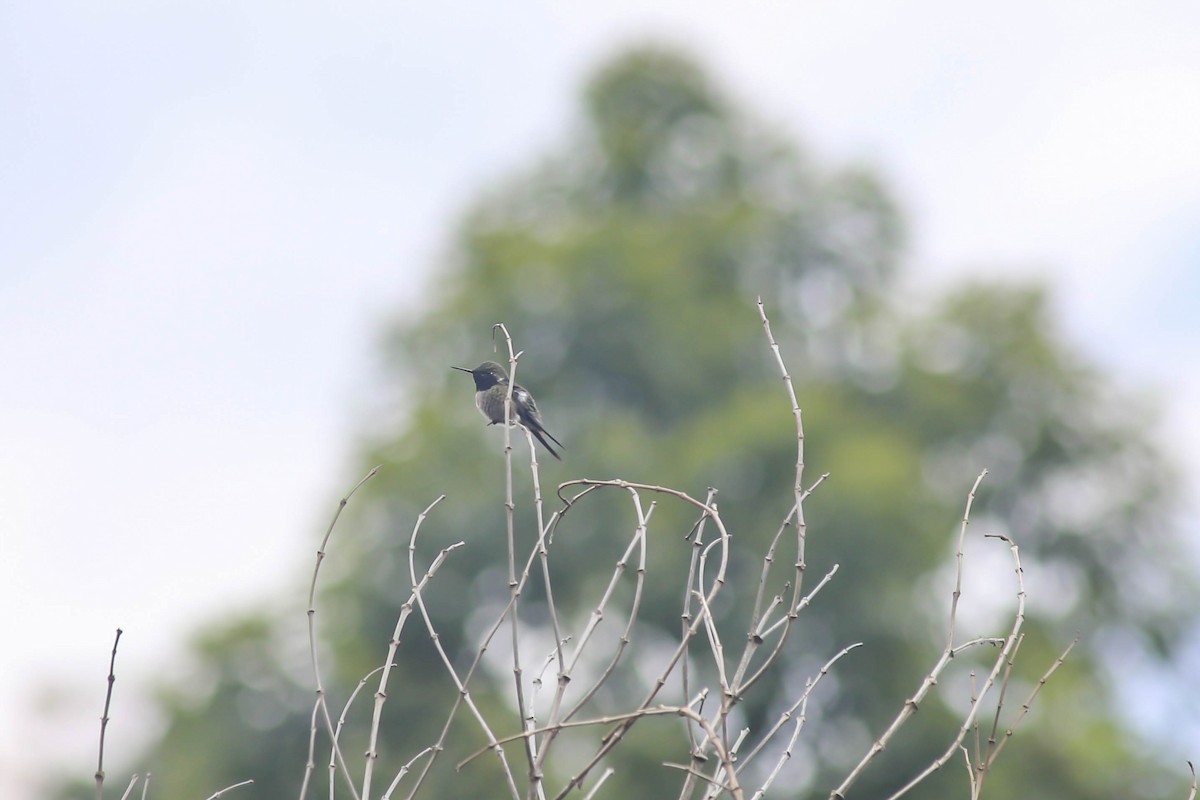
<point>207,208</point>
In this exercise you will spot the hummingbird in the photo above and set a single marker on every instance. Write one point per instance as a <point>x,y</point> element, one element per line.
<point>491,387</point>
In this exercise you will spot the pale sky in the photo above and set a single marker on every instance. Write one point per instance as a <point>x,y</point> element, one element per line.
<point>208,208</point>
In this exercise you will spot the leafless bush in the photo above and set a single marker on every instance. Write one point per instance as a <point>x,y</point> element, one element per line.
<point>715,755</point>
<point>701,678</point>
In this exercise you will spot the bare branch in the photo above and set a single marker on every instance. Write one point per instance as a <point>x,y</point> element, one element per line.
<point>221,793</point>
<point>509,527</point>
<point>999,745</point>
<point>312,631</point>
<point>394,642</point>
<point>958,558</point>
<point>910,706</point>
<point>624,719</point>
<point>463,694</point>
<point>404,770</point>
<point>798,486</point>
<point>809,686</point>
<point>977,784</point>
<point>685,619</point>
<point>439,746</point>
<point>341,726</point>
<point>112,678</point>
<point>614,736</point>
<point>310,765</point>
<point>605,776</point>
<point>128,789</point>
<point>1009,643</point>
<point>638,542</point>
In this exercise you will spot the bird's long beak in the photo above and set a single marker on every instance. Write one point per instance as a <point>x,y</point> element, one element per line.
<point>462,369</point>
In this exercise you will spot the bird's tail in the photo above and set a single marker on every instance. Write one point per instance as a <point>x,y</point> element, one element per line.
<point>538,431</point>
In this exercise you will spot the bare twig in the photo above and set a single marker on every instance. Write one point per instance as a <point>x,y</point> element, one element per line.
<point>910,706</point>
<point>112,678</point>
<point>607,774</point>
<point>962,748</point>
<point>458,683</point>
<point>1010,642</point>
<point>312,634</point>
<point>614,736</point>
<point>1004,681</point>
<point>129,789</point>
<point>958,557</point>
<point>721,778</point>
<point>809,686</point>
<point>797,510</point>
<point>974,696</point>
<point>222,792</point>
<point>542,551</point>
<point>802,705</point>
<point>727,699</point>
<point>551,609</point>
<point>649,711</point>
<point>341,726</point>
<point>539,680</point>
<point>995,746</point>
<point>804,603</point>
<point>310,766</point>
<point>638,543</point>
<point>756,634</point>
<point>685,619</point>
<point>404,770</point>
<point>709,510</point>
<point>509,527</point>
<point>439,746</point>
<point>394,643</point>
<point>798,486</point>
<point>977,781</point>
<point>714,641</point>
<point>769,558</point>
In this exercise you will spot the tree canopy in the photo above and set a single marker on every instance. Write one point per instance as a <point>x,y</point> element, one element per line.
<point>626,264</point>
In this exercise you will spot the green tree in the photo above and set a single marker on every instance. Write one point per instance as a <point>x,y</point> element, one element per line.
<point>626,264</point>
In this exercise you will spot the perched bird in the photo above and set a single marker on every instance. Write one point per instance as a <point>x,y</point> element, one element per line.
<point>491,387</point>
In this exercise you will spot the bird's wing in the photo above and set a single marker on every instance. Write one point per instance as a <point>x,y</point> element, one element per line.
<point>529,411</point>
<point>520,395</point>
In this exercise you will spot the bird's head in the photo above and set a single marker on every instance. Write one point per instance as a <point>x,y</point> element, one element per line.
<point>486,375</point>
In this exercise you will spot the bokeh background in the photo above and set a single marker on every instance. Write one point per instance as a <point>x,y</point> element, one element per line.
<point>222,225</point>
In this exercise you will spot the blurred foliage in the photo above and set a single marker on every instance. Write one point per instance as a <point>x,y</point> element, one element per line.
<point>626,266</point>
